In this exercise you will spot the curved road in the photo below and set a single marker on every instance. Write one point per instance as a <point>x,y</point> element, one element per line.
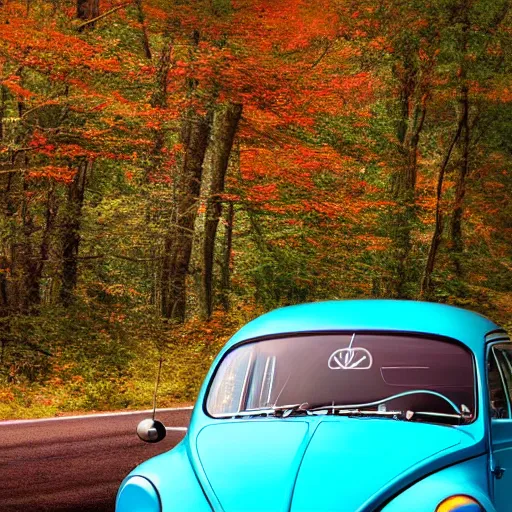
<point>75,464</point>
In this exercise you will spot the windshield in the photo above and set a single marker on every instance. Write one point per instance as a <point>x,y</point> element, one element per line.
<point>358,370</point>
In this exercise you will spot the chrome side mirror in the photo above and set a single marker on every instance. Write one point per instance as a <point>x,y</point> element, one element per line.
<point>151,431</point>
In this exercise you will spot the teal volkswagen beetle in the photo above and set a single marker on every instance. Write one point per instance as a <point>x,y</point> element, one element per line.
<point>371,405</point>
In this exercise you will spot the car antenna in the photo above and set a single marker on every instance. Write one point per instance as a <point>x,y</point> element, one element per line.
<point>157,383</point>
<point>151,430</point>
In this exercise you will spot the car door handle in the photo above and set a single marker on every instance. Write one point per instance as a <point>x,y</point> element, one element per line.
<point>498,472</point>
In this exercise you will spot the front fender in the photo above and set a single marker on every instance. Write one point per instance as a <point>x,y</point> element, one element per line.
<point>174,480</point>
<point>468,478</point>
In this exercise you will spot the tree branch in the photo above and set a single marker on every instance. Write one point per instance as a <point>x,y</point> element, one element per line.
<point>94,20</point>
<point>119,257</point>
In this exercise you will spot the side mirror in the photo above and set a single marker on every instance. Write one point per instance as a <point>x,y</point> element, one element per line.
<point>151,431</point>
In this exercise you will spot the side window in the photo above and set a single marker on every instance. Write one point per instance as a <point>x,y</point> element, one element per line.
<point>500,380</point>
<point>504,357</point>
<point>227,392</point>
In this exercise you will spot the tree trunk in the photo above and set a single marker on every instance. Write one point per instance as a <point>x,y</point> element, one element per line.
<point>87,10</point>
<point>178,242</point>
<point>3,106</point>
<point>426,284</point>
<point>225,271</point>
<point>24,258</point>
<point>413,106</point>
<point>44,248</point>
<point>462,125</point>
<point>159,100</point>
<point>403,191</point>
<point>21,291</point>
<point>71,234</point>
<point>158,136</point>
<point>142,20</point>
<point>224,128</point>
<point>457,245</point>
<point>414,77</point>
<point>4,263</point>
<point>27,259</point>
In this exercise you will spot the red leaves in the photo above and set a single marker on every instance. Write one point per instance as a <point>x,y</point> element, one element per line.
<point>52,172</point>
<point>262,193</point>
<point>42,47</point>
<point>38,140</point>
<point>101,106</point>
<point>12,84</point>
<point>120,98</point>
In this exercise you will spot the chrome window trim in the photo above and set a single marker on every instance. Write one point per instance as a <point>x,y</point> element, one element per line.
<point>272,378</point>
<point>502,378</point>
<point>265,371</point>
<point>271,361</point>
<point>243,394</point>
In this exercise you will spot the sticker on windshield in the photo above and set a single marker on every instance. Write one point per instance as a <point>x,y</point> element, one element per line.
<point>351,358</point>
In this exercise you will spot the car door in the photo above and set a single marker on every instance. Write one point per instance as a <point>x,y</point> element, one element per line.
<point>499,367</point>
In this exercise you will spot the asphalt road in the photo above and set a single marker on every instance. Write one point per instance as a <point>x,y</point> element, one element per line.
<point>74,464</point>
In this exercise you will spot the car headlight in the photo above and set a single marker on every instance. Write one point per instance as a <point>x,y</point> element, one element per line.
<point>138,495</point>
<point>459,503</point>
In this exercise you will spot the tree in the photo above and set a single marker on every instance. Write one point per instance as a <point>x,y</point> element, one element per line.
<point>71,232</point>
<point>345,148</point>
<point>178,241</point>
<point>225,123</point>
<point>466,26</point>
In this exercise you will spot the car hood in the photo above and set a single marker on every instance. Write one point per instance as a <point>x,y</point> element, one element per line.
<point>331,464</point>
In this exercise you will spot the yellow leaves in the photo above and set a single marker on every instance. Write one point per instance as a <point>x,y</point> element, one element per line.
<point>119,290</point>
<point>374,243</point>
<point>55,381</point>
<point>6,395</point>
<point>116,317</point>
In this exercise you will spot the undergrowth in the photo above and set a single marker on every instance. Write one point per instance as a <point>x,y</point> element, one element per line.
<point>115,369</point>
<point>57,364</point>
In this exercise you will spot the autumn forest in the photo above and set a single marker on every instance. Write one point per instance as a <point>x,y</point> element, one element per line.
<point>169,169</point>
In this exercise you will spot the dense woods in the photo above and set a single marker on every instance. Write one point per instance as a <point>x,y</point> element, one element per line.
<point>170,169</point>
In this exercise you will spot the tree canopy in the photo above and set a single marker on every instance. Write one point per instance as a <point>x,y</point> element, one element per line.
<point>176,167</point>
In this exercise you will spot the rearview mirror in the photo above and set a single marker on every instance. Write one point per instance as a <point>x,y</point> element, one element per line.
<point>151,431</point>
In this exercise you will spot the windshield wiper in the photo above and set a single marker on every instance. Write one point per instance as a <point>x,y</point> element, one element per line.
<point>280,411</point>
<point>383,401</point>
<point>283,411</point>
<point>341,410</point>
<point>461,418</point>
<point>353,413</point>
<point>396,415</point>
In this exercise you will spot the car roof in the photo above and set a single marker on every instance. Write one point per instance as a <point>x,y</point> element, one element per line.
<point>372,315</point>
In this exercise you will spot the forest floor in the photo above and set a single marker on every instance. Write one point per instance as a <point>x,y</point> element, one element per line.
<point>133,390</point>
<point>118,372</point>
